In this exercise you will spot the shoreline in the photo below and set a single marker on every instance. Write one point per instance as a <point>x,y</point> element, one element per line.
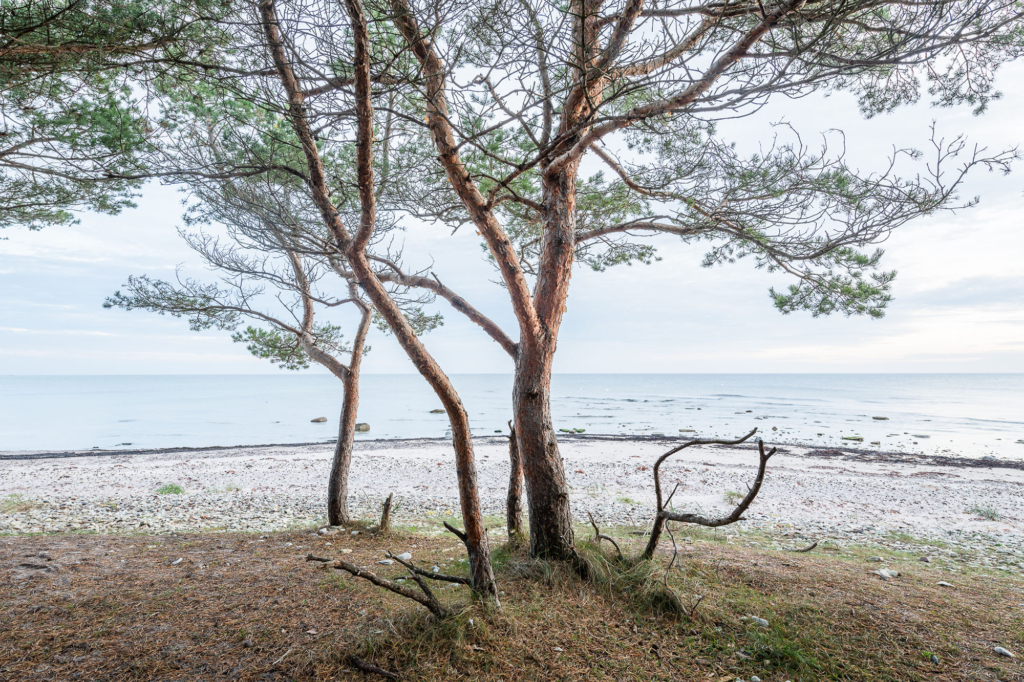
<point>809,450</point>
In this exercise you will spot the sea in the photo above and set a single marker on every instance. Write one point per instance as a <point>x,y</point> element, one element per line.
<point>961,415</point>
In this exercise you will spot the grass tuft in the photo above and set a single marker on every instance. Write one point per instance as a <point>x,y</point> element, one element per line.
<point>15,503</point>
<point>987,512</point>
<point>170,489</point>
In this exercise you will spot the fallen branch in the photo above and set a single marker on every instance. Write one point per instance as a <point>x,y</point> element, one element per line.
<point>808,548</point>
<point>598,536</point>
<point>371,668</point>
<point>425,597</point>
<point>429,574</point>
<point>662,515</point>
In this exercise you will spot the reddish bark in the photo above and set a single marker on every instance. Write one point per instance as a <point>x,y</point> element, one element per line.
<point>354,249</point>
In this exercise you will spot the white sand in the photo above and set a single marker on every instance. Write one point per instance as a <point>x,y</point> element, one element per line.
<point>276,485</point>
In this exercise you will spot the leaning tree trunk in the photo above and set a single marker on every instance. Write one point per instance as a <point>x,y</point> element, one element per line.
<point>551,533</point>
<point>514,503</point>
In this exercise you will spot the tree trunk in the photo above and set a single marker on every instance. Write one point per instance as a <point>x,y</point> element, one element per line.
<point>514,503</point>
<point>337,484</point>
<point>551,533</point>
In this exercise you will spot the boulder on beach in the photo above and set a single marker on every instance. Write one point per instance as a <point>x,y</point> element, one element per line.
<point>437,411</point>
<point>318,420</point>
<point>362,427</point>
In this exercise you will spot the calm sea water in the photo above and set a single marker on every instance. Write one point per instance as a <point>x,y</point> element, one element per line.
<point>961,414</point>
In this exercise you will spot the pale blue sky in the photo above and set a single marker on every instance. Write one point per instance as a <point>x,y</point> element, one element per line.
<point>959,296</point>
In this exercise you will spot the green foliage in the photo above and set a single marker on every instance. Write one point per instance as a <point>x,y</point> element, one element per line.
<point>170,489</point>
<point>76,131</point>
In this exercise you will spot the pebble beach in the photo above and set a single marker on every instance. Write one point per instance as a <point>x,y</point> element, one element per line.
<point>809,495</point>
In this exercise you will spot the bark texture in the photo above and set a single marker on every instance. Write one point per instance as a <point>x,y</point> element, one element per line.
<point>514,503</point>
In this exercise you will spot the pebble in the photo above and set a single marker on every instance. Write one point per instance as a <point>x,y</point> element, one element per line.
<point>385,562</point>
<point>926,559</point>
<point>874,558</point>
<point>886,573</point>
<point>1004,652</point>
<point>756,621</point>
<point>346,551</point>
<point>405,556</point>
<point>934,659</point>
<point>318,420</point>
<point>943,583</point>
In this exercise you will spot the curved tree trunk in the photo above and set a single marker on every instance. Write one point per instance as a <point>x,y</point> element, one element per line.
<point>551,533</point>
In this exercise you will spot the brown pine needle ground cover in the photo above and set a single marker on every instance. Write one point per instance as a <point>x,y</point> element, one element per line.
<point>251,607</point>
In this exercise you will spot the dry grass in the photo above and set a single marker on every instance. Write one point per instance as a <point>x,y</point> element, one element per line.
<point>117,608</point>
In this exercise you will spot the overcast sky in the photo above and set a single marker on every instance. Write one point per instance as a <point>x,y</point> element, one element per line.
<point>959,295</point>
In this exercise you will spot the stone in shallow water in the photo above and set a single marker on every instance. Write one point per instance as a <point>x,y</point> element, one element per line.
<point>362,427</point>
<point>318,420</point>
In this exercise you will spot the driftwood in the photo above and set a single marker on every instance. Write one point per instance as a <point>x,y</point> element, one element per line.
<point>662,515</point>
<point>598,536</point>
<point>371,668</point>
<point>808,548</point>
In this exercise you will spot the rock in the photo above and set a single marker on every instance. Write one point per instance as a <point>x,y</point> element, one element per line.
<point>385,562</point>
<point>934,659</point>
<point>328,531</point>
<point>687,430</point>
<point>437,411</point>
<point>926,559</point>
<point>405,556</point>
<point>558,648</point>
<point>874,558</point>
<point>247,643</point>
<point>435,569</point>
<point>886,573</point>
<point>177,561</point>
<point>346,551</point>
<point>362,427</point>
<point>881,419</point>
<point>1004,652</point>
<point>755,678</point>
<point>857,439</point>
<point>318,420</point>
<point>755,620</point>
<point>943,583</point>
<point>775,428</point>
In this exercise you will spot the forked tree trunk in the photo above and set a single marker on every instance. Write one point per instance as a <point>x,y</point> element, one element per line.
<point>514,503</point>
<point>354,248</point>
<point>551,532</point>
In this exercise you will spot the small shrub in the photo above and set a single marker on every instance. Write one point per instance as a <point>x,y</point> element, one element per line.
<point>170,489</point>
<point>987,512</point>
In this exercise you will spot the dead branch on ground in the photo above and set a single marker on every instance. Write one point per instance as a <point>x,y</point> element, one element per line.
<point>425,596</point>
<point>459,580</point>
<point>371,668</point>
